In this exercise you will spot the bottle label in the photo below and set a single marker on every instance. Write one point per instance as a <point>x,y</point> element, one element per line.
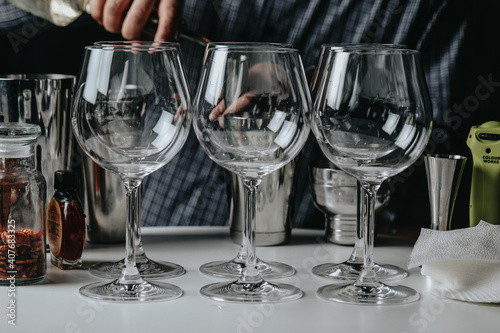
<point>54,227</point>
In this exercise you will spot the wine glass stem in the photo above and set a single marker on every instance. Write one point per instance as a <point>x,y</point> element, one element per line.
<point>130,273</point>
<point>250,273</point>
<point>242,253</point>
<point>367,215</point>
<point>357,252</point>
<point>140,254</point>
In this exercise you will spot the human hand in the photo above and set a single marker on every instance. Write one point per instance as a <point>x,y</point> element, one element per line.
<point>111,15</point>
<point>264,81</point>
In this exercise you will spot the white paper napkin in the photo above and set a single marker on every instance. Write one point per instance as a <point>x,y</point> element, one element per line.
<point>464,264</point>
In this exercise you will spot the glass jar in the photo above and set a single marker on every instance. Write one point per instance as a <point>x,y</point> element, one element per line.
<point>22,214</point>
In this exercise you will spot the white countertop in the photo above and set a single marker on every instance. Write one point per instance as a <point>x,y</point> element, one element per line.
<point>55,305</point>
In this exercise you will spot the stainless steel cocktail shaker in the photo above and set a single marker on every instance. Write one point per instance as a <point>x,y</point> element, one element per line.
<point>274,211</point>
<point>45,100</point>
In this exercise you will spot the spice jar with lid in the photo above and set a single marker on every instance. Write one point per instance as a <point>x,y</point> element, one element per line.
<point>22,213</point>
<point>66,222</point>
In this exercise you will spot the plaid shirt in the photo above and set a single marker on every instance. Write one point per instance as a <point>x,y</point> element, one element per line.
<point>11,16</point>
<point>456,41</point>
<point>191,189</point>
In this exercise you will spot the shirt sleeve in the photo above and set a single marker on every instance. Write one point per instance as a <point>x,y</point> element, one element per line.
<point>11,16</point>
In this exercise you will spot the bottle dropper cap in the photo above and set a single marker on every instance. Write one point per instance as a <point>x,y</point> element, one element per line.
<point>65,180</point>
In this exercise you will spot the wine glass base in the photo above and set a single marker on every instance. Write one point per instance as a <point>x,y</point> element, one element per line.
<point>378,294</point>
<point>349,271</point>
<point>149,269</point>
<point>140,292</point>
<point>234,269</point>
<point>261,292</point>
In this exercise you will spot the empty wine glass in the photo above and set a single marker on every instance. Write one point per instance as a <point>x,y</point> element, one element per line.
<point>233,268</point>
<point>148,268</point>
<point>350,269</point>
<point>372,118</point>
<point>131,116</point>
<point>251,117</point>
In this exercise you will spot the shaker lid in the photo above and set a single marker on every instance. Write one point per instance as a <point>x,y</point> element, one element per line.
<point>65,180</point>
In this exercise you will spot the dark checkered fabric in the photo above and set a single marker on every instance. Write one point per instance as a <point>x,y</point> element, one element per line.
<point>191,189</point>
<point>459,49</point>
<point>11,16</point>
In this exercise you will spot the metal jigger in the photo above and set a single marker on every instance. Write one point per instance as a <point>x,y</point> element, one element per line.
<point>443,178</point>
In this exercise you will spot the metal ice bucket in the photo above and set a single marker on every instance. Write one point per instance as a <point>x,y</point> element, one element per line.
<point>335,195</point>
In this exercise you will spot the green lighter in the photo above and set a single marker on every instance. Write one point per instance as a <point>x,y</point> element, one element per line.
<point>484,143</point>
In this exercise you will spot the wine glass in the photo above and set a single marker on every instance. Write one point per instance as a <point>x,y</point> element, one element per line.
<point>251,117</point>
<point>234,268</point>
<point>372,118</point>
<point>148,268</point>
<point>131,116</point>
<point>350,269</point>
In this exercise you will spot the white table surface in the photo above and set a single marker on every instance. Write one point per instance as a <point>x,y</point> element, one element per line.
<point>55,305</point>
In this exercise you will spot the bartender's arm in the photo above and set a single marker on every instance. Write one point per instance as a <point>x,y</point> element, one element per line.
<point>129,17</point>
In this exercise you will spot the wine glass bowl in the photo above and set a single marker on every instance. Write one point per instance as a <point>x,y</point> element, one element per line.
<point>372,118</point>
<point>377,121</point>
<point>131,116</point>
<point>257,139</point>
<point>252,118</point>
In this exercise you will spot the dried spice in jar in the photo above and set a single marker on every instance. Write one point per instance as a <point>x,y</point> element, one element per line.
<point>22,254</point>
<point>22,200</point>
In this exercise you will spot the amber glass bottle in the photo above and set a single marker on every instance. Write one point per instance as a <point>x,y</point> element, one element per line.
<point>66,222</point>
